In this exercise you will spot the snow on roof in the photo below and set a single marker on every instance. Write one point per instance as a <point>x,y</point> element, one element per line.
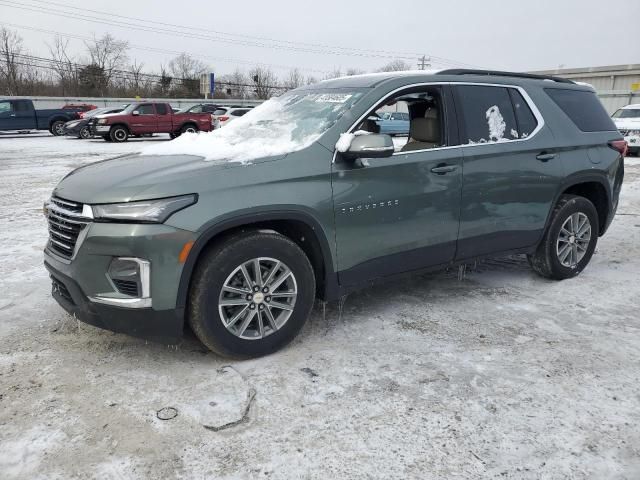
<point>633,106</point>
<point>399,73</point>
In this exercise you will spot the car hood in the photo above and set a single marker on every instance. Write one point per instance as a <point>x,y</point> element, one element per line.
<point>140,177</point>
<point>627,123</point>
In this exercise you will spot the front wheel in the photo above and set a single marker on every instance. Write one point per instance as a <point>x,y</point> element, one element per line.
<point>85,133</point>
<point>119,134</point>
<point>57,128</point>
<point>251,295</point>
<point>570,240</point>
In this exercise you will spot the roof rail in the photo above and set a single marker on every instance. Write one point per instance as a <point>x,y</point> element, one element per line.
<point>496,73</point>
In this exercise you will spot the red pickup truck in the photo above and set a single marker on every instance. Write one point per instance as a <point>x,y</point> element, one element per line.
<point>146,118</point>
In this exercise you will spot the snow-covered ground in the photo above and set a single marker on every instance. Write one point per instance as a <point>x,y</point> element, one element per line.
<point>494,374</point>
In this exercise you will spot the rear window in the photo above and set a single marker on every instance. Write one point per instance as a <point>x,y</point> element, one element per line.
<point>583,108</point>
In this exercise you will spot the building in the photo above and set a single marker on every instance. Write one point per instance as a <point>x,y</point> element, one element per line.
<point>617,85</point>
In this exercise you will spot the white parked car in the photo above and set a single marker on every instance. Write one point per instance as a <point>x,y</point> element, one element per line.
<point>627,119</point>
<point>224,115</point>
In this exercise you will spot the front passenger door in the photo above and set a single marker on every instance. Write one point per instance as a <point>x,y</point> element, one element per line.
<point>398,213</point>
<point>146,121</point>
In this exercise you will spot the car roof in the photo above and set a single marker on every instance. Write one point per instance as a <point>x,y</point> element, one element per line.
<point>632,106</point>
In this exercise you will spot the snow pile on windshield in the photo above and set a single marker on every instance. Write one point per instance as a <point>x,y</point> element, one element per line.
<point>277,127</point>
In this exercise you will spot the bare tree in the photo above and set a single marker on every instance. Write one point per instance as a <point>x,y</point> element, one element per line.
<point>264,82</point>
<point>12,61</point>
<point>353,71</point>
<point>395,66</point>
<point>136,78</point>
<point>164,83</point>
<point>109,55</point>
<point>311,80</point>
<point>64,65</point>
<point>335,73</point>
<point>187,70</point>
<point>234,85</point>
<point>295,79</point>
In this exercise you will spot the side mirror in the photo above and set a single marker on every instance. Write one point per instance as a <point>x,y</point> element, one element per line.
<point>135,112</point>
<point>370,146</point>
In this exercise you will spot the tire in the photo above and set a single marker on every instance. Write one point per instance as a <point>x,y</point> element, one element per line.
<point>189,128</point>
<point>119,134</point>
<point>221,265</point>
<point>548,260</point>
<point>57,128</point>
<point>172,136</point>
<point>106,138</point>
<point>85,133</point>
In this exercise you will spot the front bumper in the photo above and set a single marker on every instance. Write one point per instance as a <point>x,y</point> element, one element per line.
<point>101,129</point>
<point>157,325</point>
<point>633,142</point>
<point>80,283</point>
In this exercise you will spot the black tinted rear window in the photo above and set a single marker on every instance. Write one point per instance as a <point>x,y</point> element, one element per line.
<point>583,108</point>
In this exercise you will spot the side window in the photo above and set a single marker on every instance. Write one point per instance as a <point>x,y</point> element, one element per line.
<point>525,119</point>
<point>583,108</point>
<point>5,107</point>
<point>487,114</point>
<point>220,111</point>
<point>161,109</point>
<point>196,109</point>
<point>423,107</point>
<point>21,106</point>
<point>239,113</point>
<point>146,109</point>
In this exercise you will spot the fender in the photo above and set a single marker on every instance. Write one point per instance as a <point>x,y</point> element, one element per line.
<point>246,217</point>
<point>594,176</point>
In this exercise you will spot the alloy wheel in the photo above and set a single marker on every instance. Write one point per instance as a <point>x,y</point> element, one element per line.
<point>258,298</point>
<point>573,239</point>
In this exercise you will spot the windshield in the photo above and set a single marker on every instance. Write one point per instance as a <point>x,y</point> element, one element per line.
<point>278,126</point>
<point>627,113</point>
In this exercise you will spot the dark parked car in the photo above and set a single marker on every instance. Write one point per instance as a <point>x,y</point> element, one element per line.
<point>80,128</point>
<point>496,163</point>
<point>21,115</point>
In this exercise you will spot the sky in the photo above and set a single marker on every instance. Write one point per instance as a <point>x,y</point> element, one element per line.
<point>320,37</point>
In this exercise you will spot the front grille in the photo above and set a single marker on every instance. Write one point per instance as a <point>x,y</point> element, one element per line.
<point>127,287</point>
<point>59,288</point>
<point>65,224</point>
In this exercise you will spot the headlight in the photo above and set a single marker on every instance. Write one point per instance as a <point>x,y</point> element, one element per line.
<point>149,211</point>
<point>102,121</point>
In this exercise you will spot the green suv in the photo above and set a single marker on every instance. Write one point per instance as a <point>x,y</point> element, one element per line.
<point>236,232</point>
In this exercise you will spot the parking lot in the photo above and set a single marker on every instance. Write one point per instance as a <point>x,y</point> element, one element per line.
<point>484,372</point>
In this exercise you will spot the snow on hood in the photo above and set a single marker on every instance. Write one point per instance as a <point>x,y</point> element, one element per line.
<point>277,127</point>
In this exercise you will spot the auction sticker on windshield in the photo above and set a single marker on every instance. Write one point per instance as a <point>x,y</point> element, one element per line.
<point>333,97</point>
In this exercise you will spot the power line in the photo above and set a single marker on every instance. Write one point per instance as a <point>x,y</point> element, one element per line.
<point>161,50</point>
<point>190,34</point>
<point>52,64</point>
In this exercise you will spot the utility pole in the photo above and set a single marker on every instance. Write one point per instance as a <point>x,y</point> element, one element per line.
<point>423,62</point>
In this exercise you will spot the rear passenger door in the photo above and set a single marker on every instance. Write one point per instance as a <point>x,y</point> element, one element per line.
<point>165,118</point>
<point>511,170</point>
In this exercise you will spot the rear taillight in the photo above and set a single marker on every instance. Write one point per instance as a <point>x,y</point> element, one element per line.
<point>81,114</point>
<point>224,118</point>
<point>620,146</point>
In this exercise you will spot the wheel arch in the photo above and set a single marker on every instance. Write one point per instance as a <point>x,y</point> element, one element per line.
<point>299,226</point>
<point>595,188</point>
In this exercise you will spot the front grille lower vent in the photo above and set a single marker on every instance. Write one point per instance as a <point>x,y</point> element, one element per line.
<point>127,287</point>
<point>65,224</point>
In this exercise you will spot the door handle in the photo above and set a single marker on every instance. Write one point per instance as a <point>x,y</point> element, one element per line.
<point>443,169</point>
<point>12,115</point>
<point>545,157</point>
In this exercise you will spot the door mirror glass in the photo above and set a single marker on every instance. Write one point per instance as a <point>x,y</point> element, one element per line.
<point>135,112</point>
<point>370,146</point>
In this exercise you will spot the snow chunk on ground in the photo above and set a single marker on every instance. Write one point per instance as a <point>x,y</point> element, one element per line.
<point>279,126</point>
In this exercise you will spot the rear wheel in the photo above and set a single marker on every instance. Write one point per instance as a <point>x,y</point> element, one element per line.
<point>57,128</point>
<point>106,138</point>
<point>118,134</point>
<point>189,129</point>
<point>569,243</point>
<point>251,295</point>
